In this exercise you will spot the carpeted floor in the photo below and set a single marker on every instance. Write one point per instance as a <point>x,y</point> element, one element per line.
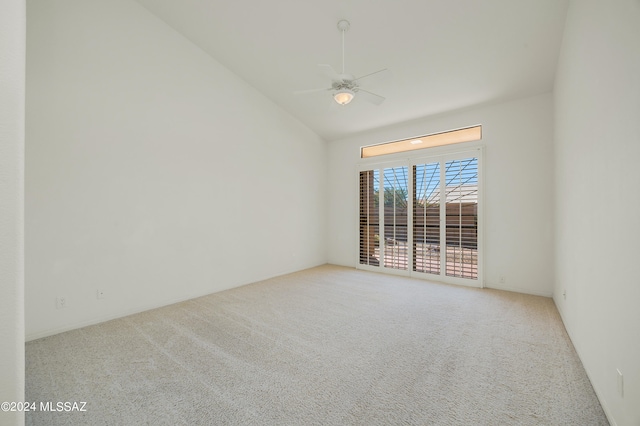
<point>326,346</point>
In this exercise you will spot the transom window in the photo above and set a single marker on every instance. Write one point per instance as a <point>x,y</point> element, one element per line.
<point>450,137</point>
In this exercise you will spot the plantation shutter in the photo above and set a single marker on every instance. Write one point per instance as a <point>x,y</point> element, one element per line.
<point>461,208</point>
<point>426,218</point>
<point>369,218</point>
<point>396,208</point>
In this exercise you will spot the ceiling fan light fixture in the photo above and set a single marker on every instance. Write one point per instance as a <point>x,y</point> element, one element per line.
<point>344,96</point>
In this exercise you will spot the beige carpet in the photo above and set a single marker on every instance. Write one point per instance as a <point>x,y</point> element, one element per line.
<point>326,346</point>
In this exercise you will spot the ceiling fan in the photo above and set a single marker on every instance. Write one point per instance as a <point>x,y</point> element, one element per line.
<point>345,86</point>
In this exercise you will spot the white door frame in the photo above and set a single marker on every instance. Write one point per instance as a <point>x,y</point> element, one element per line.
<point>442,158</point>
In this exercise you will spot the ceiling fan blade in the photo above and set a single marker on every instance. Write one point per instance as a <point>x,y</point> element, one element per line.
<point>328,70</point>
<point>370,97</point>
<point>305,92</point>
<point>374,76</point>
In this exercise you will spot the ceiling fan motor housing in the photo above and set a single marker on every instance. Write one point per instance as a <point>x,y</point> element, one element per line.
<point>345,81</point>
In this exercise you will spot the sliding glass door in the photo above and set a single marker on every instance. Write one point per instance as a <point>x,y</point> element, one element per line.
<point>428,221</point>
<point>384,216</point>
<point>461,210</point>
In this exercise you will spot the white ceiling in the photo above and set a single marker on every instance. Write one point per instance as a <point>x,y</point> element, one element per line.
<point>443,54</point>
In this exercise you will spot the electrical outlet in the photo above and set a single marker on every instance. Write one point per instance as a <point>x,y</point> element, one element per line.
<point>100,293</point>
<point>61,302</point>
<point>620,383</point>
<point>502,279</point>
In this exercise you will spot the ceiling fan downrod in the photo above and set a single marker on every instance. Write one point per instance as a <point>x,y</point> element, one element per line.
<point>343,26</point>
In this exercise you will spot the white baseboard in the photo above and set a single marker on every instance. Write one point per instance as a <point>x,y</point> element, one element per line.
<point>142,308</point>
<point>98,320</point>
<point>605,408</point>
<point>518,290</point>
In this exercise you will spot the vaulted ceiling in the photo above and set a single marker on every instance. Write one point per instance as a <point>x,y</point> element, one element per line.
<point>443,55</point>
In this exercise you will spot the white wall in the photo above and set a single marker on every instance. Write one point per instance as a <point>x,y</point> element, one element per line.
<point>12,87</point>
<point>597,122</point>
<point>153,172</point>
<point>518,169</point>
